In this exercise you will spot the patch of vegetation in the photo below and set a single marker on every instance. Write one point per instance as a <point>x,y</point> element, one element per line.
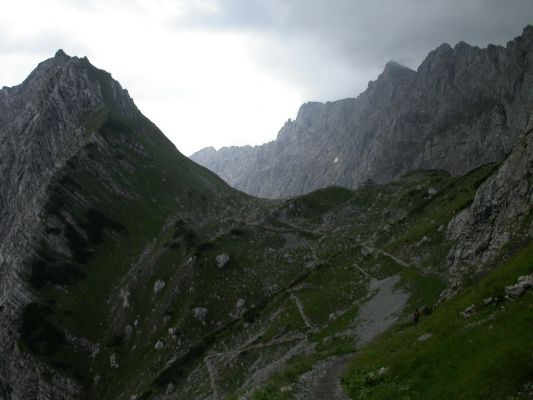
<point>96,223</point>
<point>46,269</point>
<point>271,392</point>
<point>469,353</point>
<point>38,333</point>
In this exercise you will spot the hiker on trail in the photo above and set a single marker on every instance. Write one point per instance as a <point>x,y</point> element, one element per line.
<point>416,315</point>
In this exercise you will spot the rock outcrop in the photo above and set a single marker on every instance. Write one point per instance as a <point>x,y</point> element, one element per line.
<point>462,108</point>
<point>499,215</point>
<point>40,129</point>
<point>63,117</point>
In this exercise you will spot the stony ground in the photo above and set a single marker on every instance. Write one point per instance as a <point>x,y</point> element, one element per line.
<point>376,315</point>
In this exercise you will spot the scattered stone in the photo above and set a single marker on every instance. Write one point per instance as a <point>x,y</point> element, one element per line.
<point>469,311</point>
<point>125,296</point>
<point>159,345</point>
<point>200,313</point>
<point>386,227</point>
<point>425,337</point>
<point>113,361</point>
<point>172,331</point>
<point>440,228</point>
<point>287,388</point>
<point>366,251</point>
<point>240,303</point>
<point>382,370</point>
<point>134,397</point>
<point>128,331</point>
<point>523,283</point>
<point>488,300</point>
<point>432,191</point>
<point>424,240</point>
<point>97,379</point>
<point>222,260</point>
<point>158,285</point>
<point>95,351</point>
<point>170,389</point>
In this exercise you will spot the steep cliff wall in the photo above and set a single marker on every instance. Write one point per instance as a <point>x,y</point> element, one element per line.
<point>462,108</point>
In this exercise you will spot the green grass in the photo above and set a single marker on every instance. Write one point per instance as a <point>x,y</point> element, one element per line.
<point>487,356</point>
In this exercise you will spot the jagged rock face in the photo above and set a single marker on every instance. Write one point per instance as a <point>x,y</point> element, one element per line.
<point>464,107</point>
<point>78,160</point>
<point>40,129</point>
<point>499,215</point>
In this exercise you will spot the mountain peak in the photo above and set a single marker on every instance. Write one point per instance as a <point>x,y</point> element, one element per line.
<point>61,54</point>
<point>391,65</point>
<point>396,73</point>
<point>462,45</point>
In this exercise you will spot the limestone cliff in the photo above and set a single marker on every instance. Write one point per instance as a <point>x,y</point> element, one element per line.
<point>40,129</point>
<point>462,108</point>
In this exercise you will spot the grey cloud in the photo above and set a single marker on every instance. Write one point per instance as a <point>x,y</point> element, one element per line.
<point>304,39</point>
<point>42,44</point>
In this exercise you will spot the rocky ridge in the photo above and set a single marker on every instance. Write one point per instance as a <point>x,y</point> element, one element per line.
<point>463,107</point>
<point>40,129</point>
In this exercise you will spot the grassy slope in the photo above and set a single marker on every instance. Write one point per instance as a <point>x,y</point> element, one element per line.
<point>487,356</point>
<point>394,218</point>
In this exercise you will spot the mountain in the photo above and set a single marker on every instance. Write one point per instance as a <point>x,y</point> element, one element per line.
<point>87,184</point>
<point>129,272</point>
<point>463,107</point>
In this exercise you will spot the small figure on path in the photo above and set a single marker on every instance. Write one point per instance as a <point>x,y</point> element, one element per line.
<point>416,315</point>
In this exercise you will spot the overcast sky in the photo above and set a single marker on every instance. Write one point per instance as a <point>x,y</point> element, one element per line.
<point>231,72</point>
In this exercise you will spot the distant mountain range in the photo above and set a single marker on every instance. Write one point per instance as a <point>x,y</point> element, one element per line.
<point>462,108</point>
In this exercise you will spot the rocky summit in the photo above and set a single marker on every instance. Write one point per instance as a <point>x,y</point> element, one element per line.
<point>463,107</point>
<point>129,272</point>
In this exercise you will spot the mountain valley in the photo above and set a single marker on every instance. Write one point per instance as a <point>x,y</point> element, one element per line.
<point>128,271</point>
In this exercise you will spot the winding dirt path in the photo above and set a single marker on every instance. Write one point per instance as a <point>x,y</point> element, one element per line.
<point>212,377</point>
<point>300,306</point>
<point>376,315</point>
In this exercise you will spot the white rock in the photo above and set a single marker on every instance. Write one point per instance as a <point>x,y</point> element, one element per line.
<point>222,260</point>
<point>523,283</point>
<point>469,311</point>
<point>170,389</point>
<point>158,285</point>
<point>113,361</point>
<point>488,300</point>
<point>200,313</point>
<point>425,337</point>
